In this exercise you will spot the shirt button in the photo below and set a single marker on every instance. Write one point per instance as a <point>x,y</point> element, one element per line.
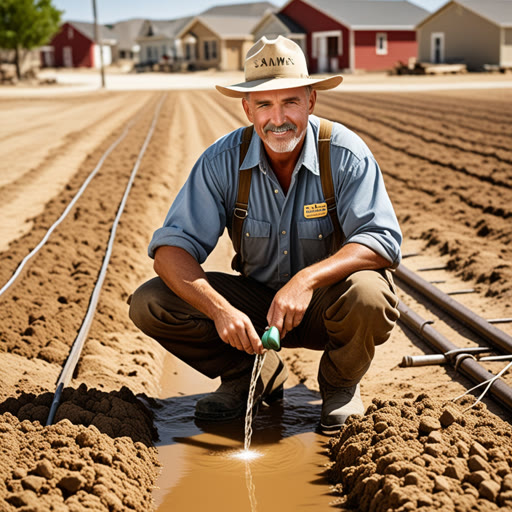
<point>286,275</point>
<point>283,232</point>
<point>320,236</point>
<point>276,191</point>
<point>247,234</point>
<point>285,252</point>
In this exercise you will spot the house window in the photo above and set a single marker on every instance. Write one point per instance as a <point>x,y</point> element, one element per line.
<point>508,37</point>
<point>71,33</point>
<point>210,50</point>
<point>381,43</point>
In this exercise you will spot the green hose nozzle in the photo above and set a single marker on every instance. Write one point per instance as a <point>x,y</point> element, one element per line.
<point>271,339</point>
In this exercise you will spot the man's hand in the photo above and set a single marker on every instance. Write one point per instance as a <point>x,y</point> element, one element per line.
<point>289,305</point>
<point>235,328</point>
<point>292,300</point>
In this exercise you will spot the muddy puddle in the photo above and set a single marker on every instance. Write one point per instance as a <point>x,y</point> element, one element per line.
<point>200,468</point>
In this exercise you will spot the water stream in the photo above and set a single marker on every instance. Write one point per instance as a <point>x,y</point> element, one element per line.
<point>256,370</point>
<point>202,468</point>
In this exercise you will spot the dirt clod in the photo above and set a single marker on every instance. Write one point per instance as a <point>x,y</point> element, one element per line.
<point>380,473</point>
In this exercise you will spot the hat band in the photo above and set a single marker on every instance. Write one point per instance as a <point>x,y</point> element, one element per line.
<point>275,66</point>
<point>271,76</point>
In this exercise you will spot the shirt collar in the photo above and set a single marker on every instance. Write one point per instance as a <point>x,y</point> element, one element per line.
<point>309,154</point>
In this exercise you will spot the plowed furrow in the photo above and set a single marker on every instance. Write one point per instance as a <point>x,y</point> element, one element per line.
<point>44,308</point>
<point>433,154</point>
<point>444,105</point>
<point>427,130</point>
<point>498,129</point>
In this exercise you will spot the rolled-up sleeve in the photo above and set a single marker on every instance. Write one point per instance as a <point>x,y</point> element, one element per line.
<point>365,211</point>
<point>197,217</point>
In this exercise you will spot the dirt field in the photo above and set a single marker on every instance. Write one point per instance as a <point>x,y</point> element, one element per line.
<point>447,162</point>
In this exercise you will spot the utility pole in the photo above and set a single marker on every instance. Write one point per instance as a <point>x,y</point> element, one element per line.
<point>98,43</point>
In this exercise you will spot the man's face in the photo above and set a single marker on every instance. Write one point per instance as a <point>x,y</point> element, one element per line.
<point>280,117</point>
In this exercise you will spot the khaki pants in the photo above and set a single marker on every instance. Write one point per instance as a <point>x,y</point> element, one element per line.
<point>346,320</point>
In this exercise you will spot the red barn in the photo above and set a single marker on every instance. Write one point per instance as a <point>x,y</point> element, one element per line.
<point>74,46</point>
<point>367,35</point>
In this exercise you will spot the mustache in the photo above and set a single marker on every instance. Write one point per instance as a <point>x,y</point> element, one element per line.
<point>285,126</point>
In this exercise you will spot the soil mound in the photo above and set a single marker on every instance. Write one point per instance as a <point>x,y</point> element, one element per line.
<point>424,454</point>
<point>117,413</point>
<point>71,467</point>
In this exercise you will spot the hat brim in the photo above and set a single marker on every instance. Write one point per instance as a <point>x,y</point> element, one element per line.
<point>273,84</point>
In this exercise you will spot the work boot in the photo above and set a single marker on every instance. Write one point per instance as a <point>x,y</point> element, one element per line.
<point>338,404</point>
<point>229,401</point>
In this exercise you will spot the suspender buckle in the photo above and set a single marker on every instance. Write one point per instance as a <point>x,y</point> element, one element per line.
<point>240,213</point>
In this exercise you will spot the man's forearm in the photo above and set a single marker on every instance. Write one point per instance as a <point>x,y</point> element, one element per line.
<point>184,276</point>
<point>349,259</point>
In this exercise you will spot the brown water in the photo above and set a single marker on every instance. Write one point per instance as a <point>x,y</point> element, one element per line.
<point>200,471</point>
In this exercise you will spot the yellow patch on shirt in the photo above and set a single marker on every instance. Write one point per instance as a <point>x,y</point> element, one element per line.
<point>314,211</point>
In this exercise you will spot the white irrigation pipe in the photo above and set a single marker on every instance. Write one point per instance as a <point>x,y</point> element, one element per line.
<point>489,383</point>
<point>36,249</point>
<point>76,349</point>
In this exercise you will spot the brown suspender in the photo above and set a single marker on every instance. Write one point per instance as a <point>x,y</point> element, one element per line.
<point>324,154</point>
<point>244,187</point>
<point>242,200</point>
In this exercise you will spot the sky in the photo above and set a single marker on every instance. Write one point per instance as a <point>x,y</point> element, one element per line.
<point>110,11</point>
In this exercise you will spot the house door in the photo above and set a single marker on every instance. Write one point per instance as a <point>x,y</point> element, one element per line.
<point>67,56</point>
<point>48,60</point>
<point>327,48</point>
<point>437,48</point>
<point>233,58</point>
<point>332,52</point>
<point>323,55</point>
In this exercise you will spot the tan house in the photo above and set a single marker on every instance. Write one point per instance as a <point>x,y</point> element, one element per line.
<point>477,33</point>
<point>217,42</point>
<point>221,36</point>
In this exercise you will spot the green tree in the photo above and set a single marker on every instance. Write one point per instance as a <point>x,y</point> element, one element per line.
<point>27,24</point>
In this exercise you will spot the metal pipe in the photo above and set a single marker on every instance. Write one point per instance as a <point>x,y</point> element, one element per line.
<point>478,324</point>
<point>500,320</point>
<point>461,292</point>
<point>469,367</point>
<point>447,357</point>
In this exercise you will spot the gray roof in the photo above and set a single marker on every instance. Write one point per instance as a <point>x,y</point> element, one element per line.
<point>370,14</point>
<point>230,26</point>
<point>291,25</point>
<point>257,9</point>
<point>165,28</point>
<point>497,11</point>
<point>126,32</point>
<point>87,29</point>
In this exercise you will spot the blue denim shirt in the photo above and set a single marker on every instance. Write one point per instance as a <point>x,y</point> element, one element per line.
<point>278,240</point>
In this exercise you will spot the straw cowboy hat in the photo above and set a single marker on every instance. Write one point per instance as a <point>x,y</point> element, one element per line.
<point>276,64</point>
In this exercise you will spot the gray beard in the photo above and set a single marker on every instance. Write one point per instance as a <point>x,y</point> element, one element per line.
<point>285,146</point>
